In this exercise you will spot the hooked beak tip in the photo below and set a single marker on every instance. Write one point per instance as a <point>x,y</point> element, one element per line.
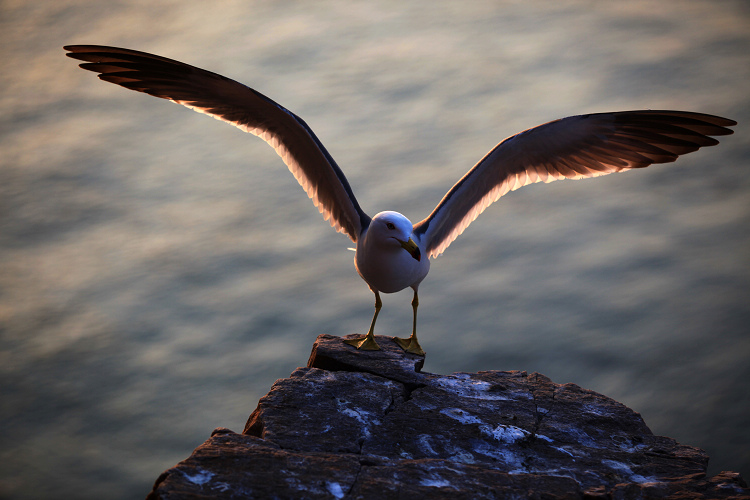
<point>417,254</point>
<point>413,249</point>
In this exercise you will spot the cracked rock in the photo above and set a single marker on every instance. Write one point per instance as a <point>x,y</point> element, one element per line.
<point>319,410</point>
<point>369,424</point>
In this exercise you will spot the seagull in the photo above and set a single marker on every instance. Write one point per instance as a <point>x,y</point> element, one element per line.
<point>392,253</point>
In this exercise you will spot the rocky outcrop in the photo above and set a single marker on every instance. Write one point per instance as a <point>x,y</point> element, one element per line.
<point>369,424</point>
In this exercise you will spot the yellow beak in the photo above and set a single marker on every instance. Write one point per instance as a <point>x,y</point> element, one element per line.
<point>412,248</point>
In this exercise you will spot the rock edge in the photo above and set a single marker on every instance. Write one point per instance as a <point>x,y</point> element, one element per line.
<point>370,424</point>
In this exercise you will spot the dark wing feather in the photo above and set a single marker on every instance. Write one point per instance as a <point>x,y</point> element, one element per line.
<point>242,107</point>
<point>571,148</point>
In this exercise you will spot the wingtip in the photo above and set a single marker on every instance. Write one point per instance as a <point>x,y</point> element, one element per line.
<point>725,122</point>
<point>75,51</point>
<point>76,47</point>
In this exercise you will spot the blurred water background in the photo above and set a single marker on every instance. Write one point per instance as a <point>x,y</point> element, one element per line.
<point>159,269</point>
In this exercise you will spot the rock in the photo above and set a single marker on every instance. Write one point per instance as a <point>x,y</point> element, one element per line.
<point>369,424</point>
<point>390,362</point>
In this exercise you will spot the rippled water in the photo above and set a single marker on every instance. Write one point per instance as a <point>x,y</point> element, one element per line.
<point>159,270</point>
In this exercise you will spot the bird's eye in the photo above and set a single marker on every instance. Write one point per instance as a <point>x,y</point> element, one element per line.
<point>390,225</point>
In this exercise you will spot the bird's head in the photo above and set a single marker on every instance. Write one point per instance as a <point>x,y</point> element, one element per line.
<point>393,229</point>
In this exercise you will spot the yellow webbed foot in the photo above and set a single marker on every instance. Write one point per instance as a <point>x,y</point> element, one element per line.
<point>365,343</point>
<point>410,345</point>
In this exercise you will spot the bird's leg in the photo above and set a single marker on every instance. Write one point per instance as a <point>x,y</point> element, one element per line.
<point>411,344</point>
<point>367,343</point>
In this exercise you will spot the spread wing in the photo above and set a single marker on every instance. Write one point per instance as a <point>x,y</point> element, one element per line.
<point>243,107</point>
<point>571,148</point>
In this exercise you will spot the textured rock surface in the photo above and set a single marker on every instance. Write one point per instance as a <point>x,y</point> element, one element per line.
<point>368,424</point>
